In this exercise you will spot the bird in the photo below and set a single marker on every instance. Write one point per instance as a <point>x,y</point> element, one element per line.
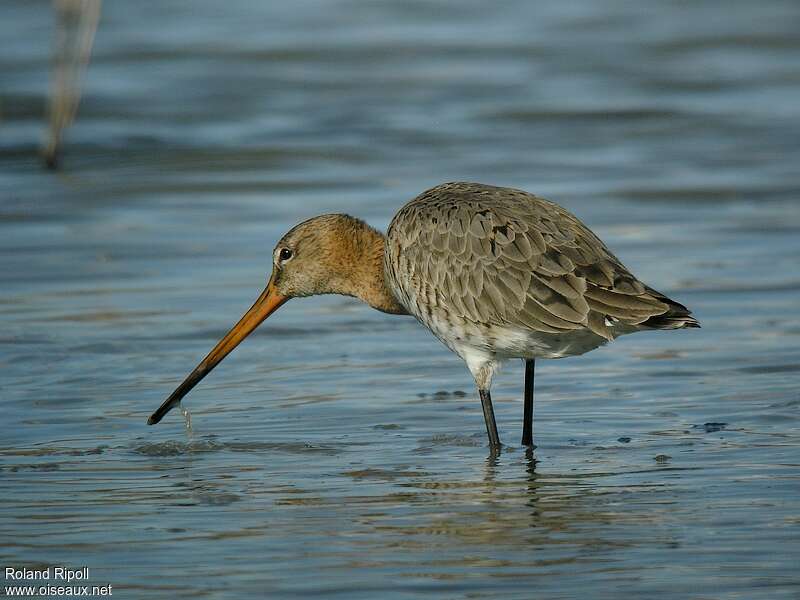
<point>495,273</point>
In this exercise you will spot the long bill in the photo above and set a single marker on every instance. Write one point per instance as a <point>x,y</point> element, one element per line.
<point>268,302</point>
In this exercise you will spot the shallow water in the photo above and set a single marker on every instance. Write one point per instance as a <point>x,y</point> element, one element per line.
<point>340,452</point>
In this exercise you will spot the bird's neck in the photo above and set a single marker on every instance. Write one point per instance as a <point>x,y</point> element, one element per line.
<point>363,276</point>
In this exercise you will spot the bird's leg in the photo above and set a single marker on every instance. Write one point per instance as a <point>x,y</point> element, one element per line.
<point>527,418</point>
<point>488,415</point>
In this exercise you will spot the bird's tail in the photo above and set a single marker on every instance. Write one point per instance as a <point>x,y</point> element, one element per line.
<point>676,317</point>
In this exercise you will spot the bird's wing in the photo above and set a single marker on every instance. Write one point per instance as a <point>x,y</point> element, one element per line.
<point>506,257</point>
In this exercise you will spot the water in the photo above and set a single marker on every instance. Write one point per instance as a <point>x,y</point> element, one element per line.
<point>341,453</point>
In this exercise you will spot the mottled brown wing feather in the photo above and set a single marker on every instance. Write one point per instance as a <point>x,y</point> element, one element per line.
<point>506,257</point>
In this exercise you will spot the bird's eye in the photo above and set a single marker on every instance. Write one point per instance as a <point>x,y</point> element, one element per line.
<point>285,254</point>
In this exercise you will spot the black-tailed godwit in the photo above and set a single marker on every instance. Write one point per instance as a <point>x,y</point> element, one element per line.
<point>494,273</point>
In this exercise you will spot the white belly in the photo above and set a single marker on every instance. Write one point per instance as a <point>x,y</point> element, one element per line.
<point>503,342</point>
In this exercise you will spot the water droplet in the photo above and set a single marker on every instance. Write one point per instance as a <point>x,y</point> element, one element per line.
<point>187,419</point>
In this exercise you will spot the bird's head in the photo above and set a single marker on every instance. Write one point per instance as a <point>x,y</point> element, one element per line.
<point>320,256</point>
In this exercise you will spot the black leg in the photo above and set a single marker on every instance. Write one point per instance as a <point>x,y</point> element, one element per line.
<point>488,415</point>
<point>527,418</point>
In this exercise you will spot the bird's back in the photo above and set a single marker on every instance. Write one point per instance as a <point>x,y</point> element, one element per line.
<point>489,265</point>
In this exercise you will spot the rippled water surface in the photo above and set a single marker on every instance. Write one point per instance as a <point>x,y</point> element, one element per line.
<point>340,452</point>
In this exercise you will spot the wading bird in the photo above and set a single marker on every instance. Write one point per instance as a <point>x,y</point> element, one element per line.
<point>494,273</point>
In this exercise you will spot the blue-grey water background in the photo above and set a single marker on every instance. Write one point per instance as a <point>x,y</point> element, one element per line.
<point>340,452</point>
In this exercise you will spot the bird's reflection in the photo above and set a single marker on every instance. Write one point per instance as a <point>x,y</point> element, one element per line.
<point>493,462</point>
<point>493,466</point>
<point>533,486</point>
